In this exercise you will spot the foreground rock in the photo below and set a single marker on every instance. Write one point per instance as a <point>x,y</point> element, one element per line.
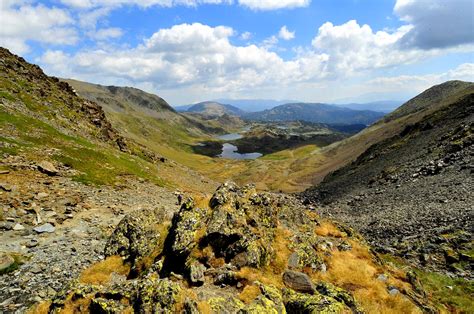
<point>226,255</point>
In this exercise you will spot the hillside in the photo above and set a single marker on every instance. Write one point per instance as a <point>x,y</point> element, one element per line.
<point>211,108</point>
<point>411,194</point>
<point>318,113</point>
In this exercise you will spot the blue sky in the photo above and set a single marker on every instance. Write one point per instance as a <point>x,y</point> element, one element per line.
<point>193,50</point>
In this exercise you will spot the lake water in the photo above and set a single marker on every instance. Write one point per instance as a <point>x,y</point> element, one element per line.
<point>229,151</point>
<point>230,137</point>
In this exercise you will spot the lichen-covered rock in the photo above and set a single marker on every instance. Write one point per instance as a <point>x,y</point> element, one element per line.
<point>156,295</point>
<point>136,235</point>
<point>226,305</point>
<point>239,228</point>
<point>105,306</point>
<point>196,273</point>
<point>312,304</point>
<point>305,255</point>
<point>338,294</point>
<point>185,224</point>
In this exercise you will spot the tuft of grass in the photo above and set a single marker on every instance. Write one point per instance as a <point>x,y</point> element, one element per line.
<point>204,307</point>
<point>327,229</point>
<point>40,308</point>
<point>99,273</point>
<point>356,272</point>
<point>249,293</point>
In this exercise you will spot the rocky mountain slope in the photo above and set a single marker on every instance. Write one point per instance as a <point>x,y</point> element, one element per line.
<point>412,194</point>
<point>212,108</point>
<point>238,252</point>
<point>318,113</point>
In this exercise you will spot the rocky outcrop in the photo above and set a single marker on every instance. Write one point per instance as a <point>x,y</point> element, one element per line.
<point>213,257</point>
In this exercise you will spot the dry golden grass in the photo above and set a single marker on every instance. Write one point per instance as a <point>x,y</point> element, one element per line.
<point>204,307</point>
<point>356,272</point>
<point>327,229</point>
<point>40,308</point>
<point>282,252</point>
<point>77,306</point>
<point>249,294</point>
<point>99,273</point>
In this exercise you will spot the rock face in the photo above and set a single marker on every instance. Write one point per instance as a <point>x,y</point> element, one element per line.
<point>211,256</point>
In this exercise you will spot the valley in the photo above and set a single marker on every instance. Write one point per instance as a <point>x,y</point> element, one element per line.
<point>114,202</point>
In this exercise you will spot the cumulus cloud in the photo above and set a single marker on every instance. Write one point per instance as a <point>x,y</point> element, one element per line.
<point>352,47</point>
<point>286,34</point>
<point>106,33</point>
<point>246,35</point>
<point>418,83</point>
<point>437,23</point>
<point>190,54</point>
<point>200,57</point>
<point>84,4</point>
<point>22,22</point>
<point>274,4</point>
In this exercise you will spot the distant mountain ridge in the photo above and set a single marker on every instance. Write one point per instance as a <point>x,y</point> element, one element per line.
<point>378,106</point>
<point>316,112</point>
<point>212,108</point>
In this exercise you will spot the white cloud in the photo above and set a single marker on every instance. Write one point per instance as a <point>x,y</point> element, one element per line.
<point>84,4</point>
<point>246,35</point>
<point>418,83</point>
<point>353,48</point>
<point>286,34</point>
<point>274,4</point>
<point>22,22</point>
<point>194,57</point>
<point>106,33</point>
<point>189,55</point>
<point>437,23</point>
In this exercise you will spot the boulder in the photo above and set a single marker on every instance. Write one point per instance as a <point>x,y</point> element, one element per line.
<point>308,304</point>
<point>47,227</point>
<point>47,168</point>
<point>136,235</point>
<point>298,281</point>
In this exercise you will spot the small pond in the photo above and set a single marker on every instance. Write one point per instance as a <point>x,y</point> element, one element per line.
<point>229,151</point>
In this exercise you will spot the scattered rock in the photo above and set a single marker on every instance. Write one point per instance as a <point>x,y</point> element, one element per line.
<point>7,263</point>
<point>5,187</point>
<point>47,227</point>
<point>47,168</point>
<point>18,227</point>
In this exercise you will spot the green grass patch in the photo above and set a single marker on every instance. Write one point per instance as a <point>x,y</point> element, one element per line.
<point>449,293</point>
<point>97,164</point>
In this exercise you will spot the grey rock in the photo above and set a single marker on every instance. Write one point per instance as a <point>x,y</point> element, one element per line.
<point>18,227</point>
<point>298,281</point>
<point>47,168</point>
<point>47,227</point>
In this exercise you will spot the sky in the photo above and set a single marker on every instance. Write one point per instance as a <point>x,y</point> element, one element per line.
<point>188,51</point>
